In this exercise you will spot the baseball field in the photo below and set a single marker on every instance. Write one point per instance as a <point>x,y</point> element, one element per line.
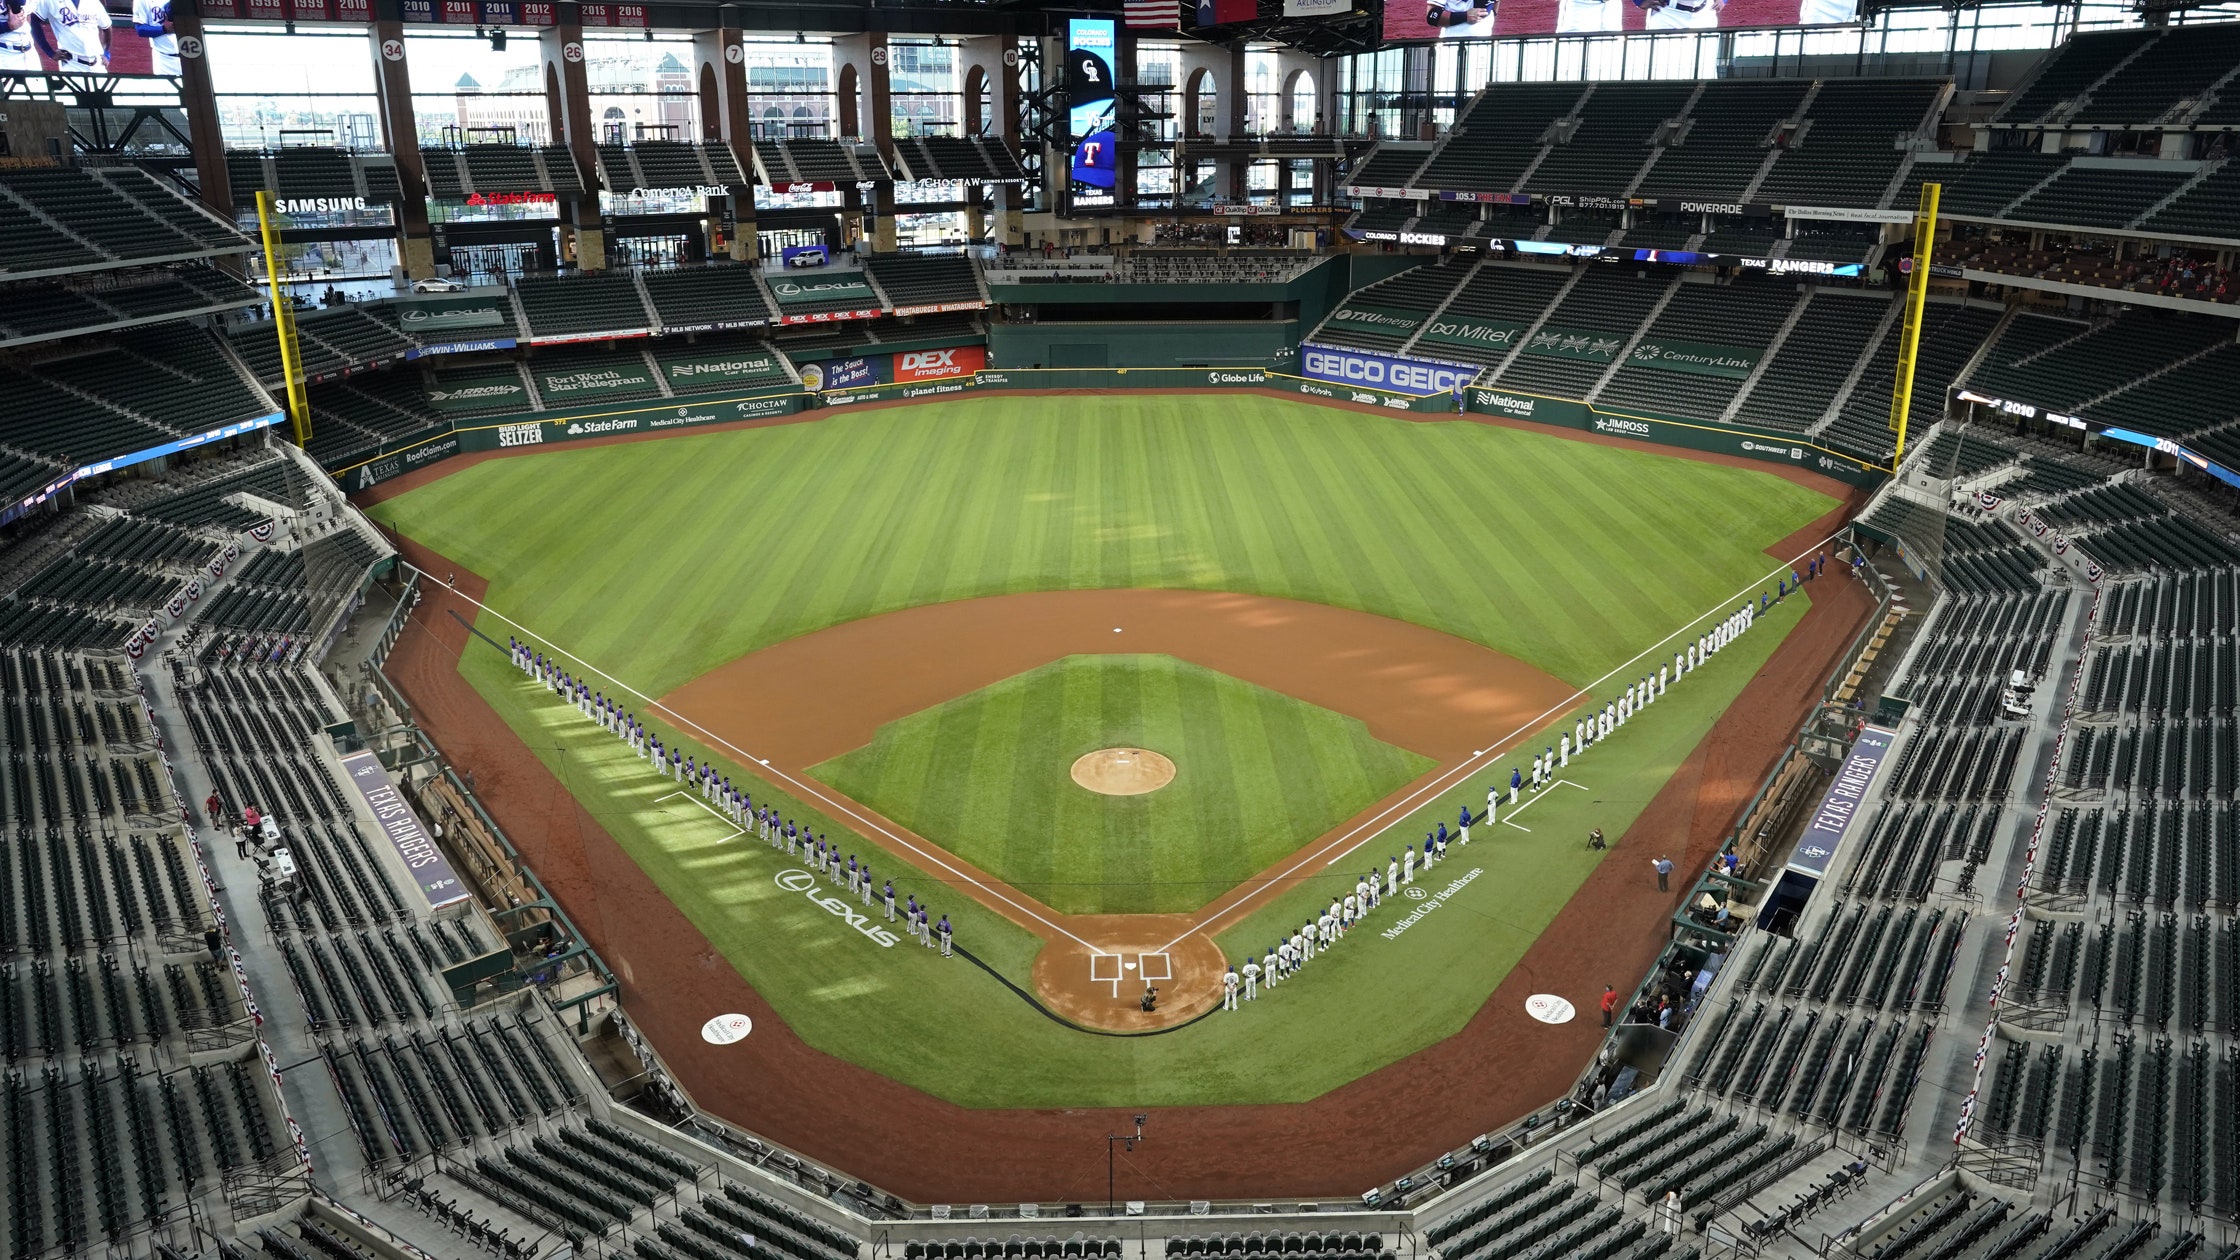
<point>903,627</point>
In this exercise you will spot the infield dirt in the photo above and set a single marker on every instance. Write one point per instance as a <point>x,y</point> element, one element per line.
<point>1502,1065</point>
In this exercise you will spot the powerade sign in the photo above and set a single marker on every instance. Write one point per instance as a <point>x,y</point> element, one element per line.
<point>1379,371</point>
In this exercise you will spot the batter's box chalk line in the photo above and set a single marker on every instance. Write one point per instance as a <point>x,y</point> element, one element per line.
<point>1100,964</point>
<point>1145,963</point>
<point>1507,819</point>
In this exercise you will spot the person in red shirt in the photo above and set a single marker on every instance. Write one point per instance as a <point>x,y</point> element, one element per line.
<point>1609,1004</point>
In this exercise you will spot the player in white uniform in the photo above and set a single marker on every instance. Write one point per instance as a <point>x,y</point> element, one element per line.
<point>79,28</point>
<point>152,19</point>
<point>1681,15</point>
<point>1590,15</point>
<point>1460,19</point>
<point>1229,987</point>
<point>17,52</point>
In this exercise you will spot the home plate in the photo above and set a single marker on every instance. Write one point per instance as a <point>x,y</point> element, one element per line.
<point>1549,1009</point>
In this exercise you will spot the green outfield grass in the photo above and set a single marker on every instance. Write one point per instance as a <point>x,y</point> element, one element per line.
<point>657,561</point>
<point>660,560</point>
<point>1257,774</point>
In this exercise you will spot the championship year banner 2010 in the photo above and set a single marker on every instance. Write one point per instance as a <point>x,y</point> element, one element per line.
<point>1343,366</point>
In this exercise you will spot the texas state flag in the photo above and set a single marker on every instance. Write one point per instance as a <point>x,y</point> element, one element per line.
<point>1223,12</point>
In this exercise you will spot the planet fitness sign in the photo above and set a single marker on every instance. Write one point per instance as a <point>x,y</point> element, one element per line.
<point>1359,367</point>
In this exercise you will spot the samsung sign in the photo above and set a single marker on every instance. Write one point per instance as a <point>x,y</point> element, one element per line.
<point>1407,376</point>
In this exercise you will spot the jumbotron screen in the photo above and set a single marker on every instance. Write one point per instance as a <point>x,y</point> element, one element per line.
<point>1482,19</point>
<point>87,37</point>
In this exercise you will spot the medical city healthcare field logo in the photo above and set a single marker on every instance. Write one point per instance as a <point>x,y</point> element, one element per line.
<point>805,883</point>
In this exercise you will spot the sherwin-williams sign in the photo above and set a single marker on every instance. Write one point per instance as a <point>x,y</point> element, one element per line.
<point>846,288</point>
<point>591,382</point>
<point>688,376</point>
<point>1376,319</point>
<point>453,316</point>
<point>1696,358</point>
<point>1566,343</point>
<point>1470,332</point>
<point>479,391</point>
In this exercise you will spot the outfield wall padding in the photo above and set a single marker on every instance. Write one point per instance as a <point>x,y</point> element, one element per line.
<point>401,455</point>
<point>538,428</point>
<point>1792,449</point>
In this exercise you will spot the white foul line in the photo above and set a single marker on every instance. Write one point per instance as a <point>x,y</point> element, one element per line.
<point>736,832</point>
<point>806,788</point>
<point>1534,799</point>
<point>1408,804</point>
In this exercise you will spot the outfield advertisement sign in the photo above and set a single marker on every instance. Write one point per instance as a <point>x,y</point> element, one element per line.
<point>459,315</point>
<point>1346,366</point>
<point>1375,319</point>
<point>1696,358</point>
<point>1566,343</point>
<point>1456,331</point>
<point>850,287</point>
<point>495,390</point>
<point>903,367</point>
<point>460,347</point>
<point>563,386</point>
<point>1694,435</point>
<point>686,374</point>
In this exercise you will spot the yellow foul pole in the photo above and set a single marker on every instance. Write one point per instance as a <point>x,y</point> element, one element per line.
<point>283,323</point>
<point>1917,300</point>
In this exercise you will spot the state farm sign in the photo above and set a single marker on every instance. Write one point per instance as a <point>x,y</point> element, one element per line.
<point>932,365</point>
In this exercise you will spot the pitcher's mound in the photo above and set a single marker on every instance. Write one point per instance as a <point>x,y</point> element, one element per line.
<point>1123,771</point>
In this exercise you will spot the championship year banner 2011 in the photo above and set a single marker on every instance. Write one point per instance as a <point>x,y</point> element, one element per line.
<point>439,885</point>
<point>1382,371</point>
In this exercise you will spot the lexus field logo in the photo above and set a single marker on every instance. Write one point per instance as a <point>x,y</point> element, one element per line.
<point>804,883</point>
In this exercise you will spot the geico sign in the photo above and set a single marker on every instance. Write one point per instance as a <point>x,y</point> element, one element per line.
<point>799,881</point>
<point>1420,378</point>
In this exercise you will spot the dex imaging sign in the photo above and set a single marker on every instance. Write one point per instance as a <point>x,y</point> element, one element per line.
<point>1408,376</point>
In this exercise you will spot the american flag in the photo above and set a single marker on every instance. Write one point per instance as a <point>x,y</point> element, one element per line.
<point>1153,15</point>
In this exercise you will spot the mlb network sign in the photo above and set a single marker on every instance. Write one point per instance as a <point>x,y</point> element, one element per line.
<point>1407,376</point>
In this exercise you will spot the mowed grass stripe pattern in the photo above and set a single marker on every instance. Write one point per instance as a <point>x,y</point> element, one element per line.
<point>661,560</point>
<point>988,777</point>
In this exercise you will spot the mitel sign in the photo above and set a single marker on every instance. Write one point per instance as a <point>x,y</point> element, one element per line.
<point>1355,367</point>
